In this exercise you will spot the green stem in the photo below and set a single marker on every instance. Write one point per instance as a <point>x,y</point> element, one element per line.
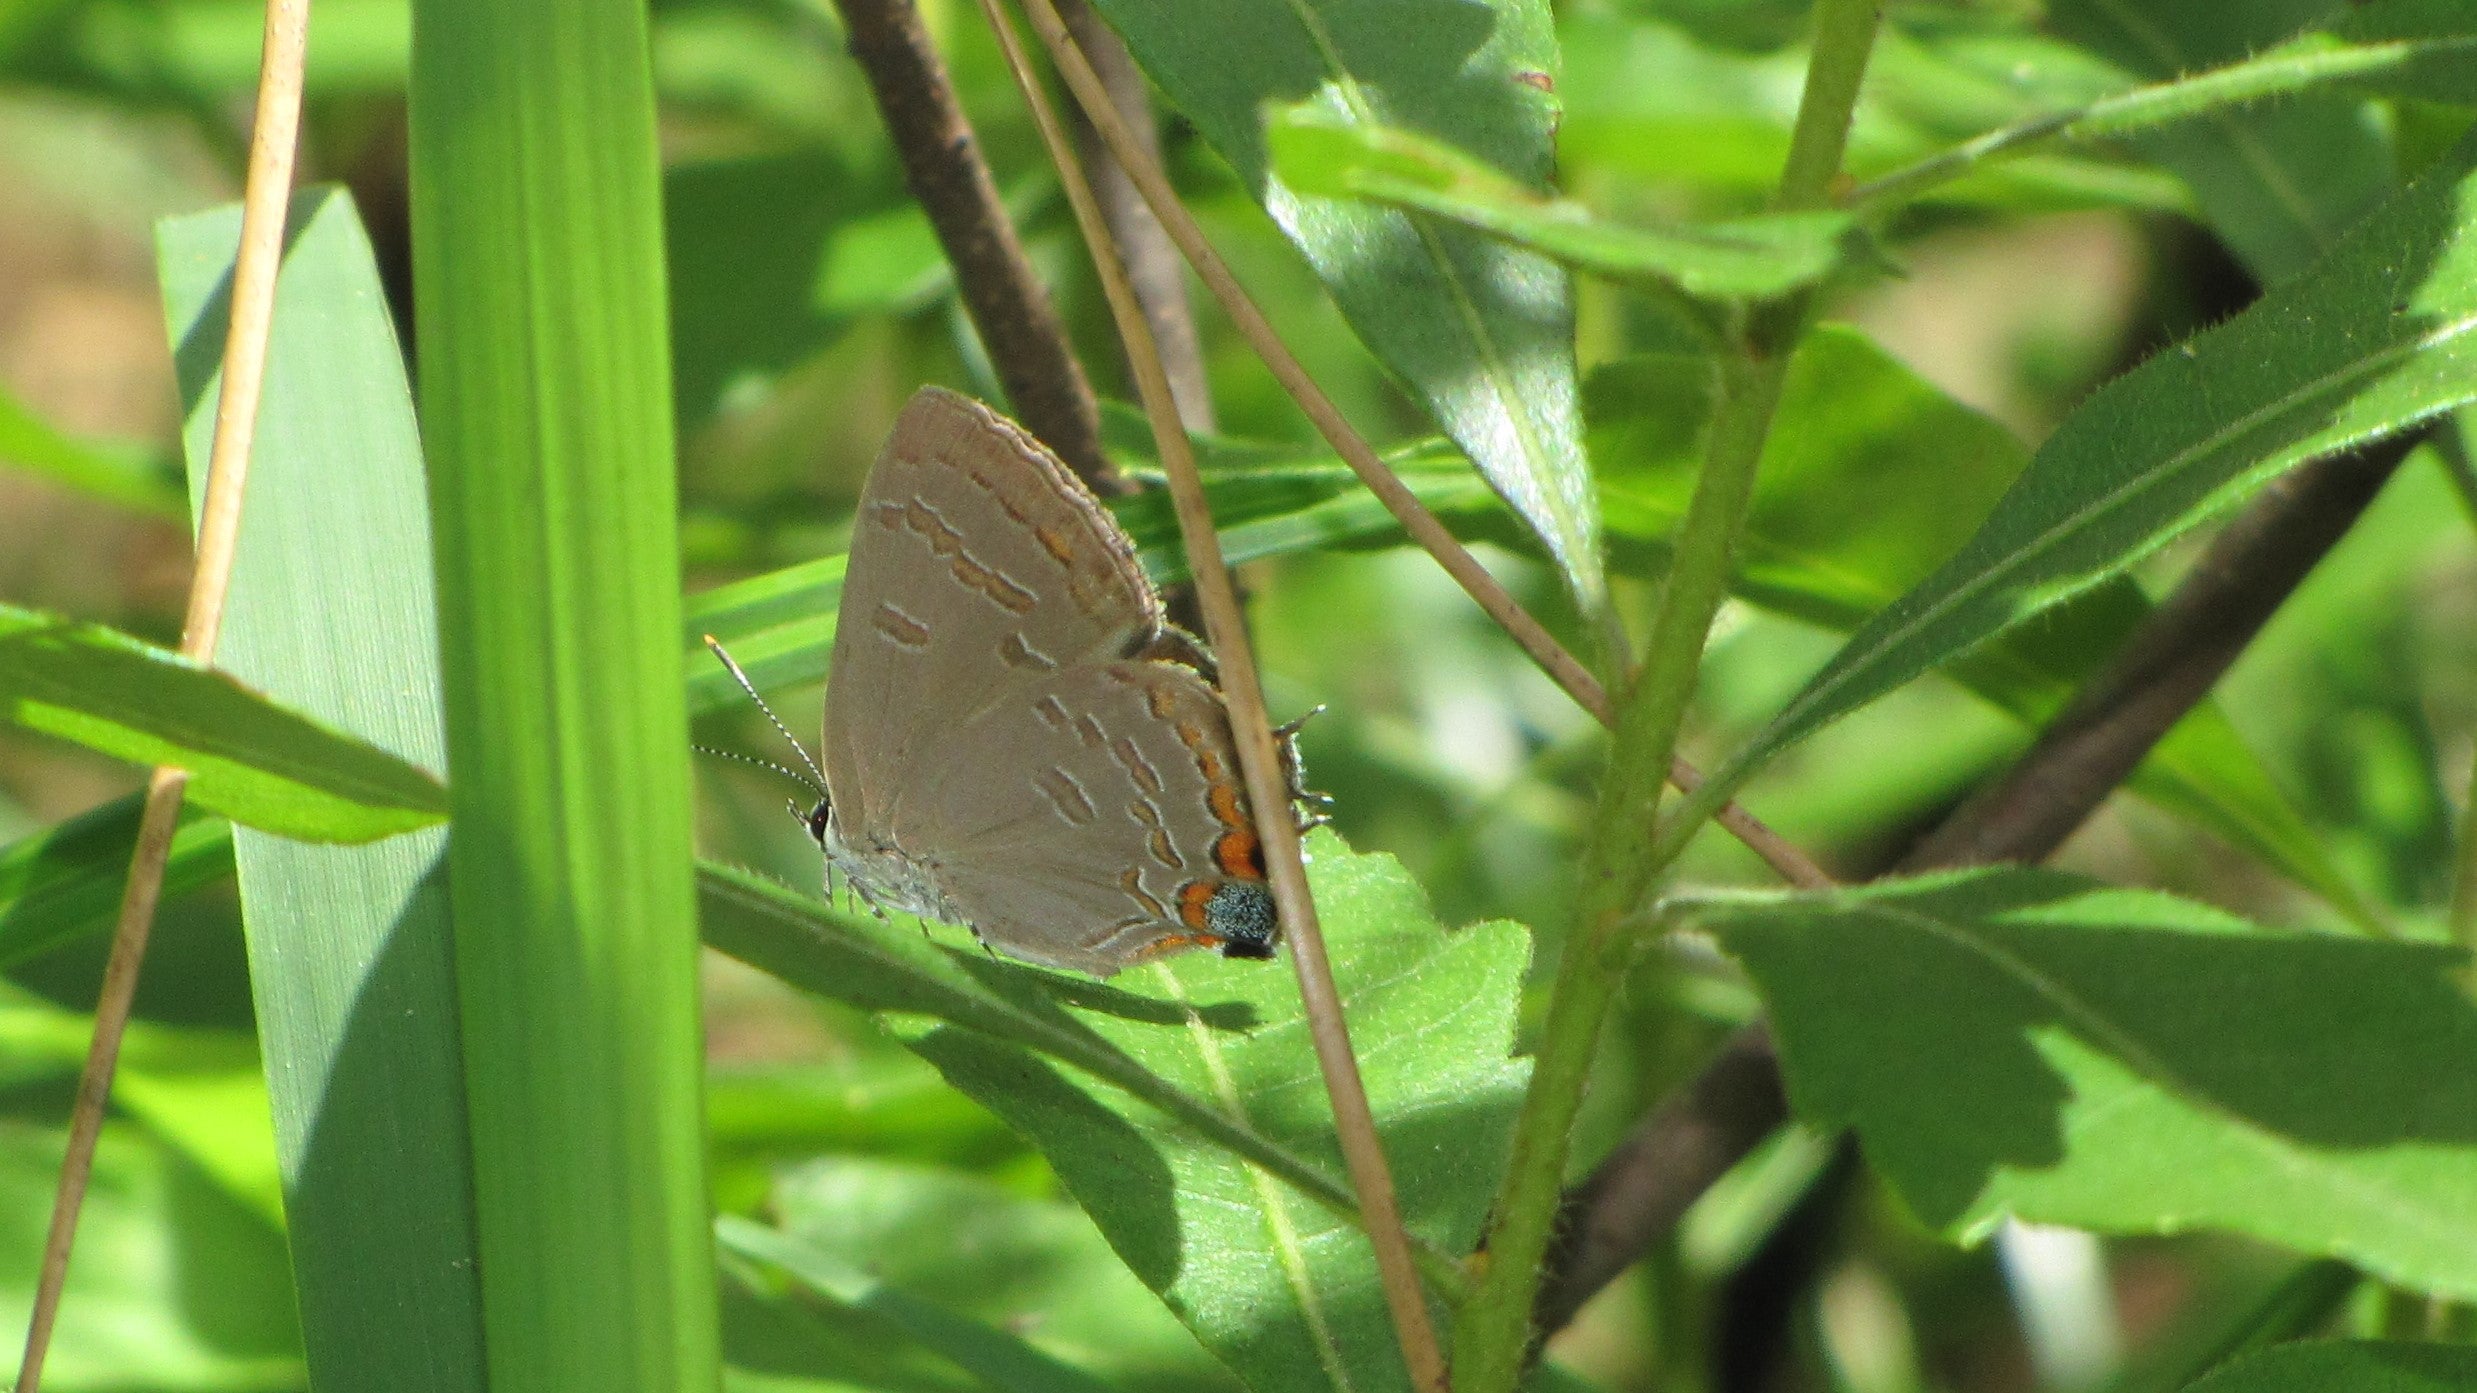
<point>2464,875</point>
<point>1493,1332</point>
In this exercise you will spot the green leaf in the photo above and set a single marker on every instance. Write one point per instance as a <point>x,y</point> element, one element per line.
<point>2029,1043</point>
<point>2279,182</point>
<point>546,417</point>
<point>1646,103</point>
<point>995,1357</point>
<point>1872,475</point>
<point>1482,333</point>
<point>980,1250</point>
<point>64,882</point>
<point>196,1089</point>
<point>860,961</point>
<point>175,1285</point>
<point>248,758</point>
<point>116,474</point>
<point>2437,38</point>
<point>1752,258</point>
<point>351,972</point>
<point>1282,1291</point>
<point>2347,1366</point>
<point>2374,340</point>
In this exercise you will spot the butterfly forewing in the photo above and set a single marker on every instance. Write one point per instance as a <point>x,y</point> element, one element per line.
<point>977,563</point>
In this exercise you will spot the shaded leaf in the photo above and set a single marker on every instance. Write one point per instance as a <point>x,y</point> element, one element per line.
<point>249,759</point>
<point>351,975</point>
<point>998,1359</point>
<point>64,882</point>
<point>1870,476</point>
<point>2347,1366</point>
<point>2376,339</point>
<point>2030,1043</point>
<point>175,1285</point>
<point>1649,103</point>
<point>974,1246</point>
<point>2279,182</point>
<point>868,963</point>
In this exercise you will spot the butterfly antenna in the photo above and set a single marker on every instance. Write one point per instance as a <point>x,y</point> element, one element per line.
<point>783,769</point>
<point>816,777</point>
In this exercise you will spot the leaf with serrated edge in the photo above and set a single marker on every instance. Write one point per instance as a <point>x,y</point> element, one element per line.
<point>2031,1043</point>
<point>1280,1289</point>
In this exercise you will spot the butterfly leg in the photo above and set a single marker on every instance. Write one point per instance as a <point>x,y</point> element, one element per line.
<point>1308,808</point>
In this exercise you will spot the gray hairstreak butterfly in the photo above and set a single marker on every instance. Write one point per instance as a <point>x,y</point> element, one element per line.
<point>1016,739</point>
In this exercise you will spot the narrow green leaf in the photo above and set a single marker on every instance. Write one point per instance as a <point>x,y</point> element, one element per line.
<point>115,473</point>
<point>1870,477</point>
<point>1284,1292</point>
<point>545,393</point>
<point>2279,182</point>
<point>996,1358</point>
<point>248,758</point>
<point>2436,41</point>
<point>1481,332</point>
<point>1753,258</point>
<point>2029,1043</point>
<point>865,962</point>
<point>2374,340</point>
<point>1646,102</point>
<point>64,882</point>
<point>2347,1366</point>
<point>351,965</point>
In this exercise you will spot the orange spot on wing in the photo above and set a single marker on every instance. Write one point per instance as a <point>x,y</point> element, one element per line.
<point>1172,943</point>
<point>1240,855</point>
<point>1192,898</point>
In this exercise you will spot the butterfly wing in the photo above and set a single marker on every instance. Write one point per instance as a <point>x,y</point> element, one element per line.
<point>1097,818</point>
<point>977,562</point>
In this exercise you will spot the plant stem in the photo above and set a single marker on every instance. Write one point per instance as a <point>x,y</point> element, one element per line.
<point>1493,1334</point>
<point>266,194</point>
<point>2464,874</point>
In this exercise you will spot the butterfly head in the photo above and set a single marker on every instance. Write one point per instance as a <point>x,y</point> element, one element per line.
<point>818,818</point>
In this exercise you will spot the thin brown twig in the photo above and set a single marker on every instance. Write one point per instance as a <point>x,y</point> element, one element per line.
<point>1153,264</point>
<point>2165,667</point>
<point>1423,527</point>
<point>1027,342</point>
<point>265,196</point>
<point>1259,754</point>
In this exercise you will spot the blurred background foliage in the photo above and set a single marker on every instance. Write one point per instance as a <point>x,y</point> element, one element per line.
<point>809,298</point>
